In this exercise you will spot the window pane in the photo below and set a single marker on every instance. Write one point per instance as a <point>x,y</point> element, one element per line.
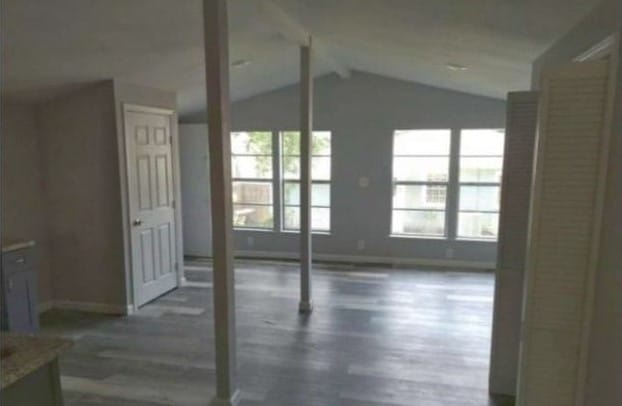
<point>320,168</point>
<point>290,143</point>
<point>478,225</point>
<point>291,167</point>
<point>431,223</point>
<point>321,143</point>
<point>484,198</point>
<point>254,142</point>
<point>422,142</point>
<point>252,216</point>
<point>482,142</point>
<point>291,193</point>
<point>252,192</point>
<point>481,169</point>
<point>419,197</point>
<point>320,218</point>
<point>421,169</point>
<point>291,218</point>
<point>252,167</point>
<point>320,194</point>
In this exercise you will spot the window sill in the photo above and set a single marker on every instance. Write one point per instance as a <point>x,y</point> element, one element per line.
<point>260,230</point>
<point>475,239</point>
<point>327,233</point>
<point>418,237</point>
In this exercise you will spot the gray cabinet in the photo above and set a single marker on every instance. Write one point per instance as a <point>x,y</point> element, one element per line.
<point>19,291</point>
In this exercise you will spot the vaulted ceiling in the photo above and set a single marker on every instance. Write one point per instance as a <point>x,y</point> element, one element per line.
<point>52,46</point>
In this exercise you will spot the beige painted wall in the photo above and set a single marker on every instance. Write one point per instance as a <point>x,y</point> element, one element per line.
<point>84,207</point>
<point>23,206</point>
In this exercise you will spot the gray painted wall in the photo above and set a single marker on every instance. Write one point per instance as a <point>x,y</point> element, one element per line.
<point>362,113</point>
<point>605,364</point>
<point>195,190</point>
<point>23,206</point>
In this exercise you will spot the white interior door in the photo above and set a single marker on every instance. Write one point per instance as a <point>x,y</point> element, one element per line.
<point>566,214</point>
<point>151,202</point>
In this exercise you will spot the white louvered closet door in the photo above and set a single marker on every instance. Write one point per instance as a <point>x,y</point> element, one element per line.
<point>564,233</point>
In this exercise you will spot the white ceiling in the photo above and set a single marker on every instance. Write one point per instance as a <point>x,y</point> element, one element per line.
<point>51,46</point>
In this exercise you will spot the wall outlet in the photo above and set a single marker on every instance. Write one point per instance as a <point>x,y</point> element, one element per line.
<point>360,244</point>
<point>449,253</point>
<point>250,241</point>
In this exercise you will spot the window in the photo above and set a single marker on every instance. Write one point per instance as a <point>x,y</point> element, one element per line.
<point>252,175</point>
<point>320,175</point>
<point>481,165</point>
<point>420,182</point>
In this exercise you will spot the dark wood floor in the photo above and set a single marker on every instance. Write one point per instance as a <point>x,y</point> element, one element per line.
<point>376,337</point>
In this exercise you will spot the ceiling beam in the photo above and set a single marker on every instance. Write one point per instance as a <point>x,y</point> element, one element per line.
<point>296,32</point>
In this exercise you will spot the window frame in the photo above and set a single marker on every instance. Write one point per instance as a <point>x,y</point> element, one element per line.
<point>395,183</point>
<point>268,181</point>
<point>283,181</point>
<point>460,184</point>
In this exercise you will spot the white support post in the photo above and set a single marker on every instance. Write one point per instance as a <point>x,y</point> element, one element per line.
<point>306,130</point>
<point>218,104</point>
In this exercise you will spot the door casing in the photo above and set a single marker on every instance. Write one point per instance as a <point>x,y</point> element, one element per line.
<point>131,289</point>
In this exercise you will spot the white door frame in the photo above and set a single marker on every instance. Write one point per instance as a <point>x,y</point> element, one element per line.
<point>125,159</point>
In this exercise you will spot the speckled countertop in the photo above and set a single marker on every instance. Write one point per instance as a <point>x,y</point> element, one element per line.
<point>25,354</point>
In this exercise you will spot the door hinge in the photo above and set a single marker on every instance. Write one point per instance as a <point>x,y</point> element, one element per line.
<point>173,204</point>
<point>170,139</point>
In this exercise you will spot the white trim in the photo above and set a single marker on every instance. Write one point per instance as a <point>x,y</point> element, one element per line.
<point>183,281</point>
<point>612,51</point>
<point>234,401</point>
<point>604,48</point>
<point>124,162</point>
<point>368,259</point>
<point>130,309</point>
<point>91,307</point>
<point>137,108</point>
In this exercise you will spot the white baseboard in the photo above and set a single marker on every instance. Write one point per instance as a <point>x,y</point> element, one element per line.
<point>234,401</point>
<point>91,307</point>
<point>367,259</point>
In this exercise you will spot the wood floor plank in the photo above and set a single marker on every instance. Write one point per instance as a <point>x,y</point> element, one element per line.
<point>378,337</point>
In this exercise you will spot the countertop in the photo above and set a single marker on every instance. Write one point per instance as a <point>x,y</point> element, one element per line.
<point>26,354</point>
<point>8,246</point>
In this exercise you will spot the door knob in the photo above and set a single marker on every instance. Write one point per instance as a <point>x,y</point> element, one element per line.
<point>137,222</point>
